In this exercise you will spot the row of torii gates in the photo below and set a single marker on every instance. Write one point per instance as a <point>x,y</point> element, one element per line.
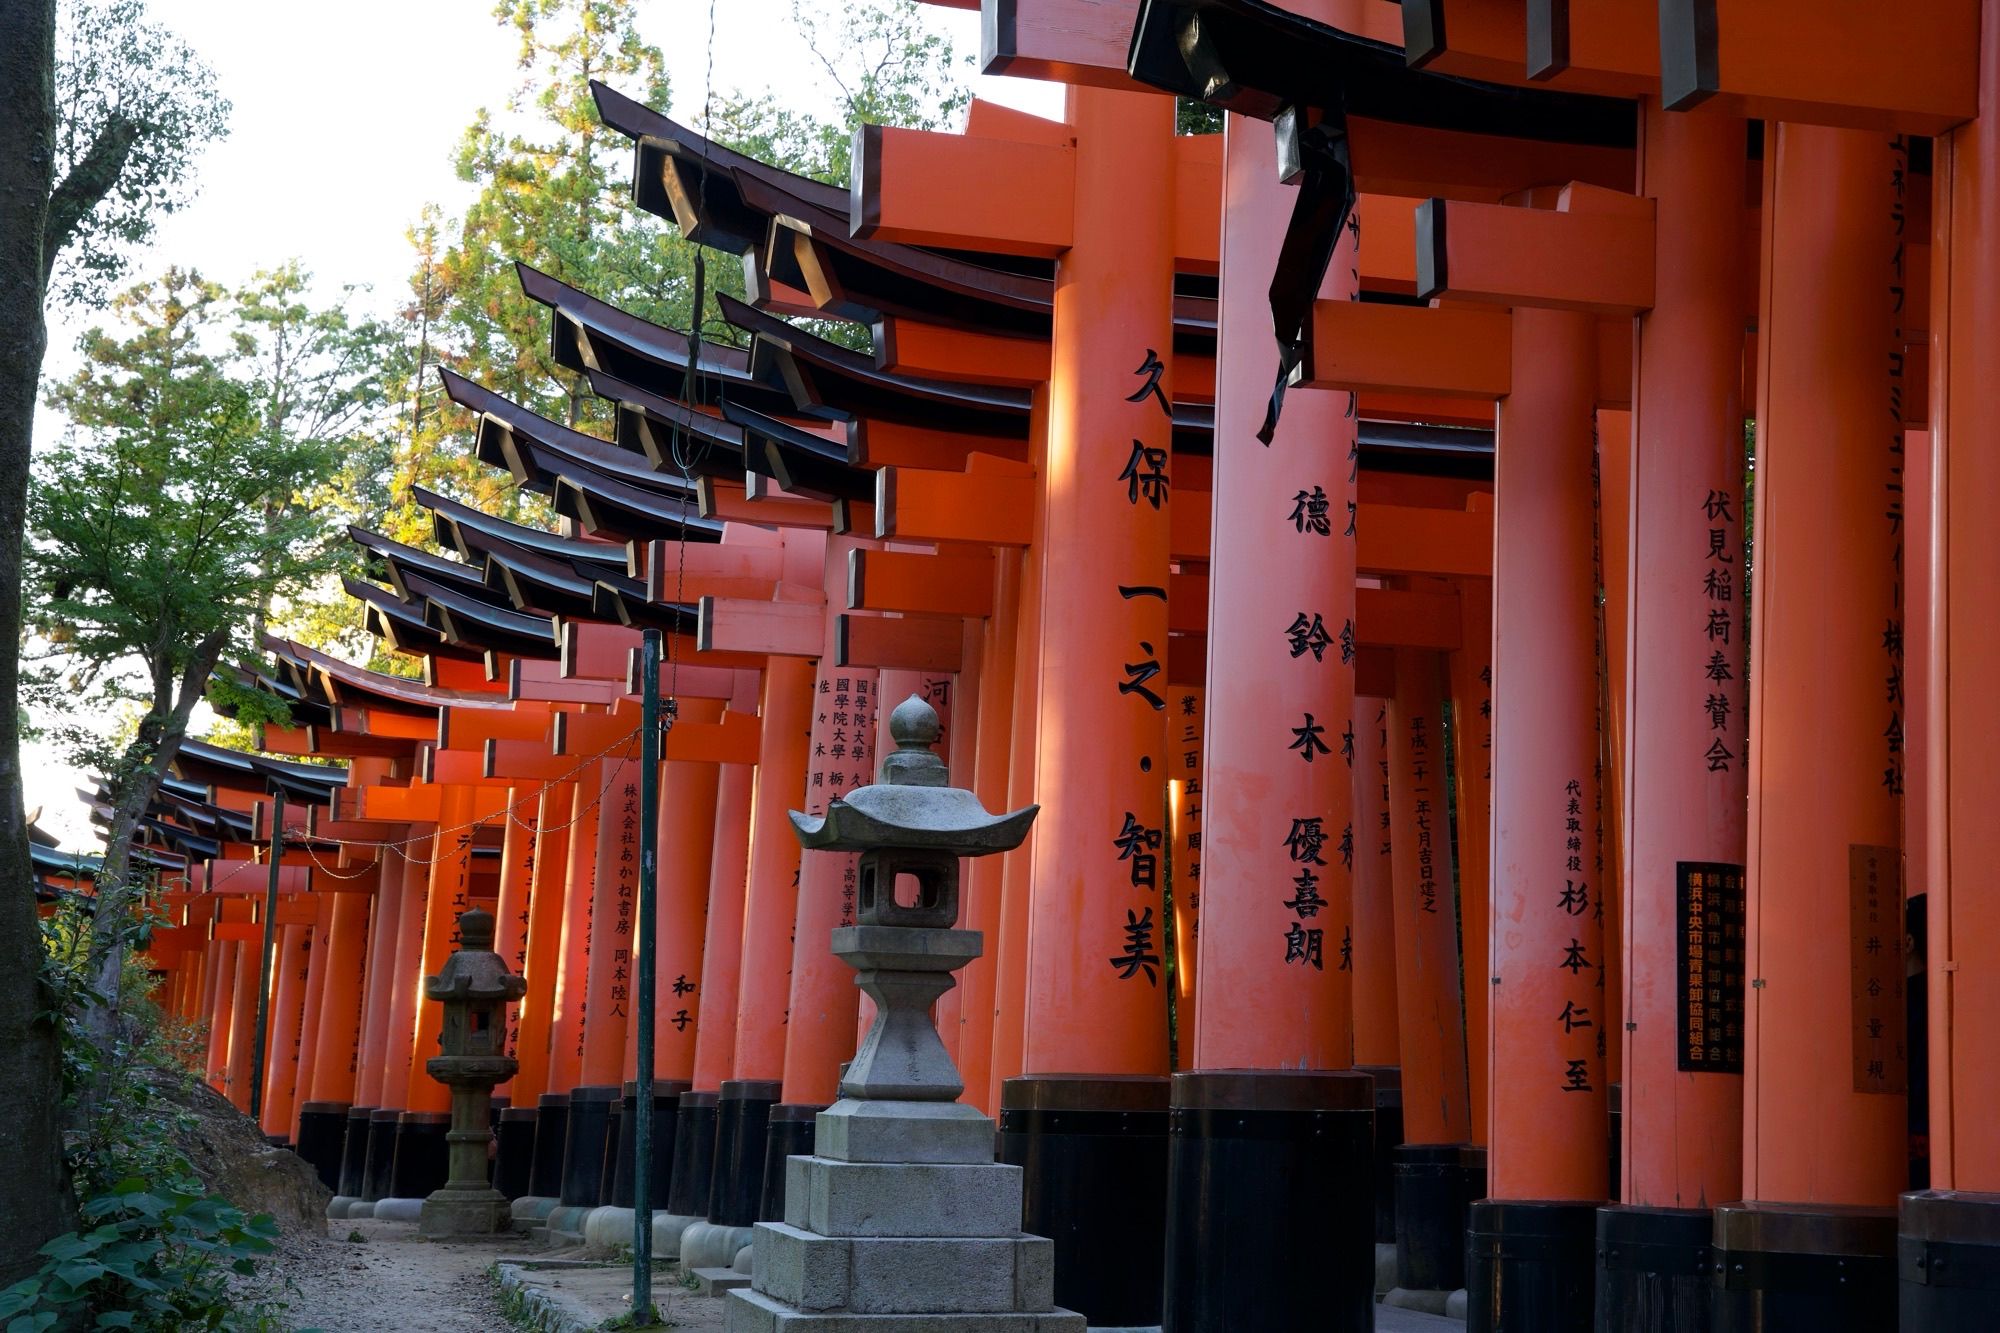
<point>1482,900</point>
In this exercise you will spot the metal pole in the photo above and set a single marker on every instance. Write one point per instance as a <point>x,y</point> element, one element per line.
<point>270,946</point>
<point>649,893</point>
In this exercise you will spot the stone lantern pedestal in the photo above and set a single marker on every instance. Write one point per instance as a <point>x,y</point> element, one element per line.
<point>901,1211</point>
<point>475,987</point>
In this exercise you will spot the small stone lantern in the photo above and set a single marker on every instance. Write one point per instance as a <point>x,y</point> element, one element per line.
<point>475,987</point>
<point>902,1210</point>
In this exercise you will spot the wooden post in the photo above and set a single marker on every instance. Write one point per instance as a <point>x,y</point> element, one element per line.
<point>1278,837</point>
<point>1824,1130</point>
<point>1547,1084</point>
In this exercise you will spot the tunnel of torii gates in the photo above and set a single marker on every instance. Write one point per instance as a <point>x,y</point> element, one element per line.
<point>1346,513</point>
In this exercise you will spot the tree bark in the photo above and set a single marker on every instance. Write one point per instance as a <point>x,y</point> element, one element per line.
<point>35,1198</point>
<point>141,770</point>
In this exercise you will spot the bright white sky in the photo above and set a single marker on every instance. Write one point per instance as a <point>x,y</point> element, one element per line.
<point>345,120</point>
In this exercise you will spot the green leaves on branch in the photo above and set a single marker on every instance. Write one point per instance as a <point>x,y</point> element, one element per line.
<point>138,105</point>
<point>154,1257</point>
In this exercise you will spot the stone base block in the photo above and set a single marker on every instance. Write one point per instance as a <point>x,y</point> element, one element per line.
<point>532,1208</point>
<point>716,1281</point>
<point>711,1245</point>
<point>398,1210</point>
<point>357,1208</point>
<point>900,1275</point>
<point>1457,1304</point>
<point>754,1312</point>
<point>463,1213</point>
<point>339,1204</point>
<point>608,1228</point>
<point>1423,1299</point>
<point>1385,1268</point>
<point>568,1219</point>
<point>743,1259</point>
<point>935,1132</point>
<point>835,1198</point>
<point>668,1228</point>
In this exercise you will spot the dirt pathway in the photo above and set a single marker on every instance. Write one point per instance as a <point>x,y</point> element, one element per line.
<point>392,1281</point>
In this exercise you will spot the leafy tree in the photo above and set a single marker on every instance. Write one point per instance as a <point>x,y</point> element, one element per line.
<point>98,127</point>
<point>161,527</point>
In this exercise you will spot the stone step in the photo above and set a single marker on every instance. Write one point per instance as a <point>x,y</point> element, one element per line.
<point>715,1281</point>
<point>755,1312</point>
<point>903,1275</point>
<point>834,1198</point>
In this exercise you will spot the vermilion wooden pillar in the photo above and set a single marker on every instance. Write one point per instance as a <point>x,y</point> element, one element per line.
<point>242,1026</point>
<point>323,1116</point>
<point>514,907</point>
<point>1377,1045</point>
<point>220,1025</point>
<point>614,908</point>
<point>320,939</point>
<point>383,915</point>
<point>535,1031</point>
<point>1186,734</point>
<point>978,982</point>
<point>1547,1078</point>
<point>688,800</point>
<point>289,965</point>
<point>714,1009</point>
<point>1963,906</point>
<point>1469,674</point>
<point>820,1020</point>
<point>406,982</point>
<point>421,1150</point>
<point>1095,1003</point>
<point>1435,1164</point>
<point>1824,1131</point>
<point>573,953</point>
<point>1277,835</point>
<point>1683,723</point>
<point>771,904</point>
<point>1017,867</point>
<point>1375,1041</point>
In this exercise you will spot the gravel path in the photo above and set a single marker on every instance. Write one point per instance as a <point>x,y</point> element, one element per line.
<point>392,1281</point>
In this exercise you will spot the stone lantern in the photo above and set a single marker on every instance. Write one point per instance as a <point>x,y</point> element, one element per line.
<point>475,987</point>
<point>902,1210</point>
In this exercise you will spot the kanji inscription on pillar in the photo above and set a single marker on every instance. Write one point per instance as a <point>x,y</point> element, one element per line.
<point>1710,912</point>
<point>1875,969</point>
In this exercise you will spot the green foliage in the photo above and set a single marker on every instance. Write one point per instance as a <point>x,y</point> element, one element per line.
<point>137,105</point>
<point>155,1257</point>
<point>167,520</point>
<point>155,1252</point>
<point>1192,117</point>
<point>554,193</point>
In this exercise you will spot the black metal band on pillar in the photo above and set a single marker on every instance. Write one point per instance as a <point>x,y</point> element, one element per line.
<point>1313,150</point>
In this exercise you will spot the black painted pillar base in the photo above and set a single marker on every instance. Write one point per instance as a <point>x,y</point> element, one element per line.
<point>514,1152</point>
<point>1530,1266</point>
<point>422,1155</point>
<point>381,1153</point>
<point>666,1101</point>
<point>1388,1137</point>
<point>1653,1269</point>
<point>1270,1202</point>
<point>615,1132</point>
<point>742,1129</point>
<point>1948,1261</point>
<point>1614,1111</point>
<point>1824,1267</point>
<point>790,1135</point>
<point>583,1146</point>
<point>694,1156</point>
<point>545,1165</point>
<point>1093,1152</point>
<point>1433,1189</point>
<point>354,1152</point>
<point>322,1134</point>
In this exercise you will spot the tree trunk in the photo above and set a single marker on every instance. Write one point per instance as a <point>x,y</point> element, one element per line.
<point>141,769</point>
<point>35,1203</point>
